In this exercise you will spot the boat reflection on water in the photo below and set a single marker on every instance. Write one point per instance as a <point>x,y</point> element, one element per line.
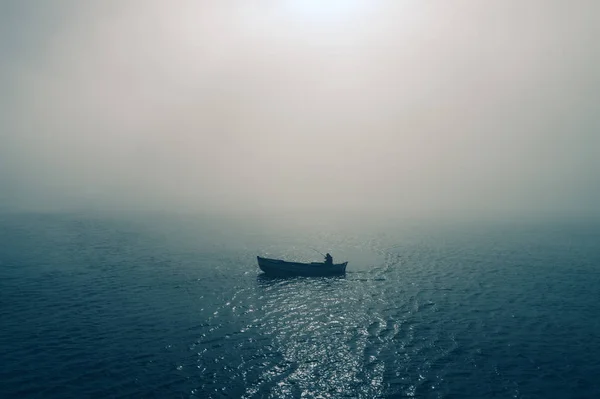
<point>269,280</point>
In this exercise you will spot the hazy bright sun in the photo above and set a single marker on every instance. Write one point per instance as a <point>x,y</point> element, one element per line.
<point>325,9</point>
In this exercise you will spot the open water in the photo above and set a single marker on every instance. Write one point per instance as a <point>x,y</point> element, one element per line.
<point>176,307</point>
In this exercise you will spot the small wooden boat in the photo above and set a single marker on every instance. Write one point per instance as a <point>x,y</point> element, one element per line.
<point>276,267</point>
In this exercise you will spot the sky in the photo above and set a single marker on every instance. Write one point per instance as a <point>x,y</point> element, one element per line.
<point>398,107</point>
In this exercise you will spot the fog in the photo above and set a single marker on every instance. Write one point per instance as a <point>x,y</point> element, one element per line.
<point>360,107</point>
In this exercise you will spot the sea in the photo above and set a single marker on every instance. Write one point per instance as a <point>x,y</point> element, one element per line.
<point>175,306</point>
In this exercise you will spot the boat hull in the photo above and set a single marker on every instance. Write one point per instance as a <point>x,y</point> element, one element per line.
<point>276,267</point>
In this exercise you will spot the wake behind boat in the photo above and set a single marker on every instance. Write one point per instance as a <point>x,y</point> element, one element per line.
<point>277,267</point>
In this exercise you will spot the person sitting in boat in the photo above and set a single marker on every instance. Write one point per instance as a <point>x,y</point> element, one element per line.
<point>328,260</point>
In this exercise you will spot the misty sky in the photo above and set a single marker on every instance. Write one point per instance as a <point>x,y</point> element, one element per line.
<point>404,106</point>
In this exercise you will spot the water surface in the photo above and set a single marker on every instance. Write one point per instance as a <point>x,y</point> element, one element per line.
<point>96,306</point>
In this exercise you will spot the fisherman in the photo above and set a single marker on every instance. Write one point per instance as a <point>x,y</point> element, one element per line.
<point>328,260</point>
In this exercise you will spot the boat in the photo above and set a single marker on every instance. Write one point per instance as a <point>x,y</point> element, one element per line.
<point>277,267</point>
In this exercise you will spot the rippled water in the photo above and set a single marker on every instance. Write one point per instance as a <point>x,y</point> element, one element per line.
<point>177,307</point>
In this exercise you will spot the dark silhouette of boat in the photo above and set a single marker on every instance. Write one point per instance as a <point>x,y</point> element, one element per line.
<point>277,267</point>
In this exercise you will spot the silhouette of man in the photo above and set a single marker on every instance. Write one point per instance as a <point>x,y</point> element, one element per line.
<point>328,260</point>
